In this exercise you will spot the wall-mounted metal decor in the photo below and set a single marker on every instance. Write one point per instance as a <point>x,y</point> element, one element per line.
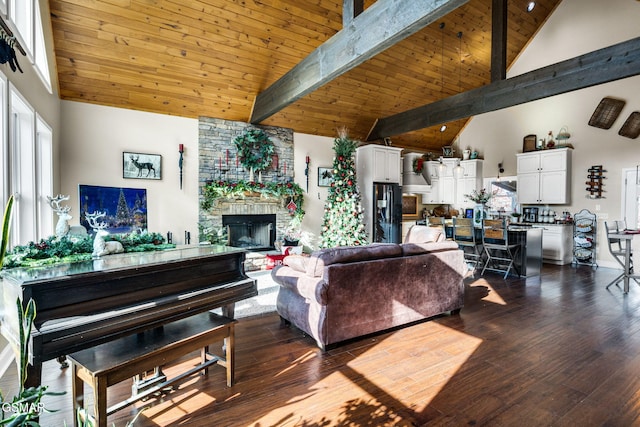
<point>8,44</point>
<point>606,113</point>
<point>631,127</point>
<point>594,185</point>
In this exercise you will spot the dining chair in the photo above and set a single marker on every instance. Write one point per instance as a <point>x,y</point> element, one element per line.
<point>437,222</point>
<point>464,235</point>
<point>500,253</point>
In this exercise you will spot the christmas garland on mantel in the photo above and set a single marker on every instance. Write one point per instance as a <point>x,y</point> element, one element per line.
<point>286,192</point>
<point>255,149</point>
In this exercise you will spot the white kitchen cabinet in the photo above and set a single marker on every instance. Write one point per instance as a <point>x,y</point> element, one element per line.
<point>471,180</point>
<point>544,176</point>
<point>432,197</point>
<point>557,243</point>
<point>376,163</point>
<point>442,182</point>
<point>432,170</point>
<point>447,189</point>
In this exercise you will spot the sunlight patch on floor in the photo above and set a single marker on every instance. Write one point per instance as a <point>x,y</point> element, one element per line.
<point>300,360</point>
<point>178,405</point>
<point>492,295</point>
<point>427,374</point>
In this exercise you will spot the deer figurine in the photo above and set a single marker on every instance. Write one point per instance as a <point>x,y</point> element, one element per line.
<point>100,246</point>
<point>62,227</point>
<point>142,166</point>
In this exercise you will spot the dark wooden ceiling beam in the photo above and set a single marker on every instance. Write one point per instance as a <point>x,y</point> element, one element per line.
<point>612,63</point>
<point>350,10</point>
<point>382,25</point>
<point>498,40</point>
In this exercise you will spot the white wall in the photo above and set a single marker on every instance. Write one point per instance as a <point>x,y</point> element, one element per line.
<point>94,138</point>
<point>320,152</point>
<point>576,27</point>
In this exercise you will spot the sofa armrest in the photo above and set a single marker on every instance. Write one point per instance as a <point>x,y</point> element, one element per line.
<point>311,288</point>
<point>296,262</point>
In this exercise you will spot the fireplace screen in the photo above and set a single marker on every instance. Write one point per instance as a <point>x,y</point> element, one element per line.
<point>257,232</point>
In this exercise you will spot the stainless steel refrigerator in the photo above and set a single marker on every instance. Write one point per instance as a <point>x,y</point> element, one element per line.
<point>387,205</point>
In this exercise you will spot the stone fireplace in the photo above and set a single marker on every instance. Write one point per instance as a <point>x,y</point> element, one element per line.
<point>218,162</point>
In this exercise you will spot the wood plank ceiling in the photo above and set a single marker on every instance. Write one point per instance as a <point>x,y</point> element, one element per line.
<point>211,58</point>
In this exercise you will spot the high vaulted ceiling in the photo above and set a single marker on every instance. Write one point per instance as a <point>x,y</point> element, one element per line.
<point>212,58</point>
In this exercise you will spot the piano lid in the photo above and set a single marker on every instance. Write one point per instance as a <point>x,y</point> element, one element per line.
<point>25,275</point>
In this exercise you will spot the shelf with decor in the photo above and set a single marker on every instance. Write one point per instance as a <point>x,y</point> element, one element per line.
<point>585,233</point>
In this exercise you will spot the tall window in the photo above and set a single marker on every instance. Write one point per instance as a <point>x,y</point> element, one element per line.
<point>26,157</point>
<point>631,197</point>
<point>44,170</point>
<point>26,17</point>
<point>4,147</point>
<point>40,52</point>
<point>23,162</point>
<point>21,13</point>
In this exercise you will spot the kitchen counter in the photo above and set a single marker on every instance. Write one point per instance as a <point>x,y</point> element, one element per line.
<point>557,245</point>
<point>529,258</point>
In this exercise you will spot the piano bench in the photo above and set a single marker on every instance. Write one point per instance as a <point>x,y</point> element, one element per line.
<point>115,361</point>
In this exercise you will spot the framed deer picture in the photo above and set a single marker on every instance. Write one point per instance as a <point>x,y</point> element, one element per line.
<point>141,166</point>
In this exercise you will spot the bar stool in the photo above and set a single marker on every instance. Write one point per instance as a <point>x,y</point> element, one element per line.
<point>439,222</point>
<point>464,235</point>
<point>435,221</point>
<point>500,253</point>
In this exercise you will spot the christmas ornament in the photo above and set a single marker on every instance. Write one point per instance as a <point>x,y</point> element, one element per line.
<point>291,207</point>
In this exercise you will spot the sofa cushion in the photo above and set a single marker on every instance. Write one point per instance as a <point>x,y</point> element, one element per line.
<point>425,234</point>
<point>409,249</point>
<point>346,254</point>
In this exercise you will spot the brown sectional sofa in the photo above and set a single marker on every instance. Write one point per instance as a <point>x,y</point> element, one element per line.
<point>346,292</point>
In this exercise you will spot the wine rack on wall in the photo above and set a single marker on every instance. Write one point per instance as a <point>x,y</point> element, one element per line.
<point>595,183</point>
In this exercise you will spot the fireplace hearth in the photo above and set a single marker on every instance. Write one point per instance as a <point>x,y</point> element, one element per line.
<point>255,232</point>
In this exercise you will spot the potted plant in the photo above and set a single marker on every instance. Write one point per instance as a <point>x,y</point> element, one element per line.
<point>6,220</point>
<point>480,198</point>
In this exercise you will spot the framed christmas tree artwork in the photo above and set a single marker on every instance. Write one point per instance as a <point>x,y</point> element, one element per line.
<point>126,208</point>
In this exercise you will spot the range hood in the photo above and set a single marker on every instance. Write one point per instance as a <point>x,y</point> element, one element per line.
<point>414,182</point>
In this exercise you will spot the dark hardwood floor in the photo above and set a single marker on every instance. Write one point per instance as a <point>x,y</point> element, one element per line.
<point>553,350</point>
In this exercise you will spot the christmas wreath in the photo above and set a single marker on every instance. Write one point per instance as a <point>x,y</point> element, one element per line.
<point>418,164</point>
<point>255,149</point>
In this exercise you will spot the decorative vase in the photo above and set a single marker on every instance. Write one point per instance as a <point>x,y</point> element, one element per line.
<point>479,213</point>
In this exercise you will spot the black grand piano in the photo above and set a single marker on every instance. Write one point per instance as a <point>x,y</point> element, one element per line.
<point>81,305</point>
